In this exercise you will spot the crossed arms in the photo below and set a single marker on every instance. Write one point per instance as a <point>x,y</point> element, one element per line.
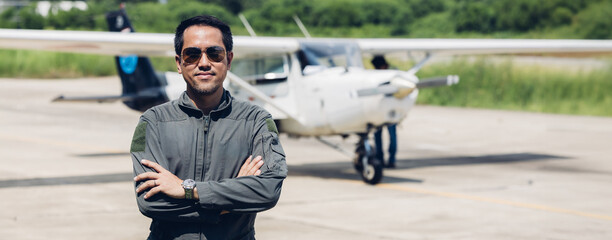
<point>165,182</point>
<point>256,186</point>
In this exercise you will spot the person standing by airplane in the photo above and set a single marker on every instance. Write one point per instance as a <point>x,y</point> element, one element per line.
<point>191,176</point>
<point>379,62</point>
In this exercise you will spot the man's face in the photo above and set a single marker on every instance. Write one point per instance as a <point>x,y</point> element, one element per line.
<point>204,76</point>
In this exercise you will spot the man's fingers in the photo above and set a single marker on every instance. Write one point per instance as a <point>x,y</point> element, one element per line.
<point>255,162</point>
<point>251,166</point>
<point>145,176</point>
<point>243,168</point>
<point>154,165</point>
<point>258,163</point>
<point>152,192</point>
<point>146,185</point>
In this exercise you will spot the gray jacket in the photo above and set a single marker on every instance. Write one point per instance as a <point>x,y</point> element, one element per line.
<point>209,149</point>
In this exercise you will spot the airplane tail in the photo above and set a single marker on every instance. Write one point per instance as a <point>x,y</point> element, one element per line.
<point>142,86</point>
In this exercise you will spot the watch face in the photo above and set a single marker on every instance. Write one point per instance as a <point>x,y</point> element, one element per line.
<point>189,183</point>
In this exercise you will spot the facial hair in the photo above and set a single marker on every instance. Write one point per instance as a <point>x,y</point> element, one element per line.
<point>205,92</point>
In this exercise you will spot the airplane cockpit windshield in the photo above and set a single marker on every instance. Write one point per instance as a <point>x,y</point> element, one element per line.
<point>328,54</point>
<point>262,69</point>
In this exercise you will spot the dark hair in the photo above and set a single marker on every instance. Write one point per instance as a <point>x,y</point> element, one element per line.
<point>379,61</point>
<point>204,20</point>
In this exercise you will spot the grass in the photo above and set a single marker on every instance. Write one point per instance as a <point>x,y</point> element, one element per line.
<point>505,85</point>
<point>35,64</point>
<point>50,65</point>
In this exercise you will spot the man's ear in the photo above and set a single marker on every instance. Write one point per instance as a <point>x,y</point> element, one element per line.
<point>230,57</point>
<point>177,59</point>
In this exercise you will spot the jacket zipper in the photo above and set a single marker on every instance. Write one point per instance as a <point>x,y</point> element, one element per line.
<point>205,163</point>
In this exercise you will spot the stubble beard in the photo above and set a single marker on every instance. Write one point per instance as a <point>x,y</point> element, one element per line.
<point>202,91</point>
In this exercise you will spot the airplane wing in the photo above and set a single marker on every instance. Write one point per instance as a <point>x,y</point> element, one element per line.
<point>161,44</point>
<point>117,43</point>
<point>483,46</point>
<point>106,43</point>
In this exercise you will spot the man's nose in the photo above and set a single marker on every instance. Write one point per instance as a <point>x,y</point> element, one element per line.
<point>204,61</point>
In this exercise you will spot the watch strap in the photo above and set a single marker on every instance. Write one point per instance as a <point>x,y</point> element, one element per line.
<point>189,193</point>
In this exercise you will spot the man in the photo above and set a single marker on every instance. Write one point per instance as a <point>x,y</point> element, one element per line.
<point>379,62</point>
<point>195,182</point>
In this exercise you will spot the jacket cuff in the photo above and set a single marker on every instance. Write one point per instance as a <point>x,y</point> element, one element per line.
<point>204,196</point>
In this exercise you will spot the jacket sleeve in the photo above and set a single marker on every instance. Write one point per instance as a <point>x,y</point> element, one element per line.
<point>146,145</point>
<point>251,194</point>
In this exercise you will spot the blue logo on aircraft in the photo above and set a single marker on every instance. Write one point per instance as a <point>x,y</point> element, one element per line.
<point>128,63</point>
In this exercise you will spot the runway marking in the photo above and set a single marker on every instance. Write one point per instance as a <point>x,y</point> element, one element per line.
<point>69,180</point>
<point>489,200</point>
<point>59,143</point>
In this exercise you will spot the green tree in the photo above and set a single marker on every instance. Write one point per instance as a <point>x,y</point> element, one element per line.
<point>594,22</point>
<point>29,19</point>
<point>8,18</point>
<point>72,19</point>
<point>275,17</point>
<point>186,9</point>
<point>477,16</point>
<point>342,13</point>
<point>422,8</point>
<point>519,15</point>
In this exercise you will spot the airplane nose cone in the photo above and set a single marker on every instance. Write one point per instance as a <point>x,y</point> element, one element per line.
<point>404,87</point>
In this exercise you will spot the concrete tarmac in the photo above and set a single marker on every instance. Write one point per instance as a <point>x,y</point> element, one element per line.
<point>462,174</point>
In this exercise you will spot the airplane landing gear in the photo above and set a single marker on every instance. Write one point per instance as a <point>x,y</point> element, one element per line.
<point>366,163</point>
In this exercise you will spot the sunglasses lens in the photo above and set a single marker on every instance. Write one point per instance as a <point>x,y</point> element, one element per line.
<point>215,54</point>
<point>191,55</point>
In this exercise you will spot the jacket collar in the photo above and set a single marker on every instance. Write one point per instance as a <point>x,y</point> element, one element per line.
<point>185,102</point>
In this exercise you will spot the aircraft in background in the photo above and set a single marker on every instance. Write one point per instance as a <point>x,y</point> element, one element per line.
<point>311,86</point>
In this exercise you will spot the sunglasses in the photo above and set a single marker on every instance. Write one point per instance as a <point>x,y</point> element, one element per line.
<point>193,54</point>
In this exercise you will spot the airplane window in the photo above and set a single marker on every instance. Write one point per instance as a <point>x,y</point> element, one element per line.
<point>257,70</point>
<point>328,54</point>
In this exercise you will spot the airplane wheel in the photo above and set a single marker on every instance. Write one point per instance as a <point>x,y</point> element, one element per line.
<point>372,172</point>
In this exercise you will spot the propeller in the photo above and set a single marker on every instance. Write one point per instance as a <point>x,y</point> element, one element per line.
<point>400,87</point>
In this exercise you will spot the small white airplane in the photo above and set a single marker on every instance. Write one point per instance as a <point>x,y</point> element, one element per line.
<point>311,86</point>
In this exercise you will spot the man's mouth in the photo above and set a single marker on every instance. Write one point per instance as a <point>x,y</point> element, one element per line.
<point>205,74</point>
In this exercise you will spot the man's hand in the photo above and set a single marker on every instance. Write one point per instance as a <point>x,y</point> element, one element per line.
<point>160,181</point>
<point>251,167</point>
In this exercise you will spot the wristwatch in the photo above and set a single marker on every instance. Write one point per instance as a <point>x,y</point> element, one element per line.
<point>189,185</point>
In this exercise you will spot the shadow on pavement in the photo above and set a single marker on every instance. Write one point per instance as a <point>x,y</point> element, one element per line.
<point>334,170</point>
<point>345,170</point>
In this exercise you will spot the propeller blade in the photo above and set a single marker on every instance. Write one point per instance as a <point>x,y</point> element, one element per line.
<point>383,89</point>
<point>438,81</point>
<point>400,87</point>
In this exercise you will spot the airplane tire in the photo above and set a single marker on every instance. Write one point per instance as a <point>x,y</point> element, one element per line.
<point>372,172</point>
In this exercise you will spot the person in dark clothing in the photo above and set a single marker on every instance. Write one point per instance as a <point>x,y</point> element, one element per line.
<point>191,176</point>
<point>379,62</point>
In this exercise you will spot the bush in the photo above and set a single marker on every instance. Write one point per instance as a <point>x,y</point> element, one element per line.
<point>8,17</point>
<point>422,8</point>
<point>72,19</point>
<point>560,16</point>
<point>476,16</point>
<point>342,13</point>
<point>29,19</point>
<point>519,15</point>
<point>594,22</point>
